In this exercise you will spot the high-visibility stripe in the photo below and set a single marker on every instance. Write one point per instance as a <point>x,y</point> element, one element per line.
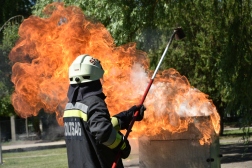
<point>80,110</point>
<point>111,138</point>
<point>75,113</point>
<point>123,146</point>
<point>76,106</point>
<point>115,123</point>
<point>116,142</point>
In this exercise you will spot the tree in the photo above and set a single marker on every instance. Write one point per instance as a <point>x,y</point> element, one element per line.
<point>137,21</point>
<point>10,8</point>
<point>9,25</point>
<point>237,59</point>
<point>212,57</point>
<point>6,86</point>
<point>198,57</point>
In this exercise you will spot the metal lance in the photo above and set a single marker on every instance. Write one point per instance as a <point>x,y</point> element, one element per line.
<point>178,32</point>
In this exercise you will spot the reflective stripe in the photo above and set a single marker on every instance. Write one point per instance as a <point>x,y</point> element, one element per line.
<point>123,146</point>
<point>117,141</point>
<point>115,123</point>
<point>111,138</point>
<point>75,113</point>
<point>78,106</point>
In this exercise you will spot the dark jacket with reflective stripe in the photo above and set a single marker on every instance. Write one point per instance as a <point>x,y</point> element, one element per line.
<point>88,128</point>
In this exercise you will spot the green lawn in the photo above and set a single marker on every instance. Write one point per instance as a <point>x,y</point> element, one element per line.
<point>49,158</point>
<point>234,134</point>
<point>236,131</point>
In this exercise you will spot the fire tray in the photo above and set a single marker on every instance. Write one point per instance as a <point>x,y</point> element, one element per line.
<point>179,150</point>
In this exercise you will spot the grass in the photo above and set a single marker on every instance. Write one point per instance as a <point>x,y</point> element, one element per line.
<point>233,134</point>
<point>230,137</point>
<point>11,142</point>
<point>55,158</point>
<point>236,132</point>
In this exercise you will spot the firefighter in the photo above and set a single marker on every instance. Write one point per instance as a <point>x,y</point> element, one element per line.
<point>93,139</point>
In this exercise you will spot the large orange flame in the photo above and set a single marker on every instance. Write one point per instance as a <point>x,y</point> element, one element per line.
<point>47,47</point>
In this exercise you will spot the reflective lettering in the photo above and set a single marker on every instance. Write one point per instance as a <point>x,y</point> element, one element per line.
<point>66,130</point>
<point>69,129</point>
<point>79,128</point>
<point>72,128</point>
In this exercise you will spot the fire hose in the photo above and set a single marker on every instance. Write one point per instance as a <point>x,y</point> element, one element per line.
<point>178,32</point>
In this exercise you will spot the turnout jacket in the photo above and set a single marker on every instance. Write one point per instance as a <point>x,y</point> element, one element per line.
<point>91,135</point>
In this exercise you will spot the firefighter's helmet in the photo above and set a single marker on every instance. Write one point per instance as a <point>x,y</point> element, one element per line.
<point>85,69</point>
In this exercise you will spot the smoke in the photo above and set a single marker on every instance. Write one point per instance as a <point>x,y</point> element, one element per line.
<point>171,95</point>
<point>189,108</point>
<point>185,105</point>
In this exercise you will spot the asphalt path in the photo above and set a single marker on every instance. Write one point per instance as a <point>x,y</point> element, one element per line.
<point>232,155</point>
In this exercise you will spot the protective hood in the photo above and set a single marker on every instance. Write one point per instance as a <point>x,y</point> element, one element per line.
<point>78,92</point>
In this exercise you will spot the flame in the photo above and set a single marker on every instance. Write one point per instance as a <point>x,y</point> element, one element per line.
<point>47,47</point>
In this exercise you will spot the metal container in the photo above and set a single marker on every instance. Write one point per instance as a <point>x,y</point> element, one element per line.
<point>179,150</point>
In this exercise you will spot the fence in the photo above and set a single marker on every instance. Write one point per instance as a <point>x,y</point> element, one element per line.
<point>32,129</point>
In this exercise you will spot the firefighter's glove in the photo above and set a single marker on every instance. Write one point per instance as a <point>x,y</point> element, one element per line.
<point>125,117</point>
<point>139,108</point>
<point>124,147</point>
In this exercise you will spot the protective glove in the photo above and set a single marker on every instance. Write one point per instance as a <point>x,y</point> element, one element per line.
<point>125,117</point>
<point>123,147</point>
<point>134,109</point>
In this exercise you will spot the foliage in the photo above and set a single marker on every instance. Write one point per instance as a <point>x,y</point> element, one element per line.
<point>8,36</point>
<point>127,21</point>
<point>236,59</point>
<point>149,24</point>
<point>10,8</point>
<point>6,108</point>
<point>6,86</point>
<point>215,56</point>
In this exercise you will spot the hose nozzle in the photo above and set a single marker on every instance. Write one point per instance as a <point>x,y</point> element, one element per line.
<point>179,33</point>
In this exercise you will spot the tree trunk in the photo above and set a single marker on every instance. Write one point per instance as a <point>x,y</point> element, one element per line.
<point>221,123</point>
<point>26,127</point>
<point>13,128</point>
